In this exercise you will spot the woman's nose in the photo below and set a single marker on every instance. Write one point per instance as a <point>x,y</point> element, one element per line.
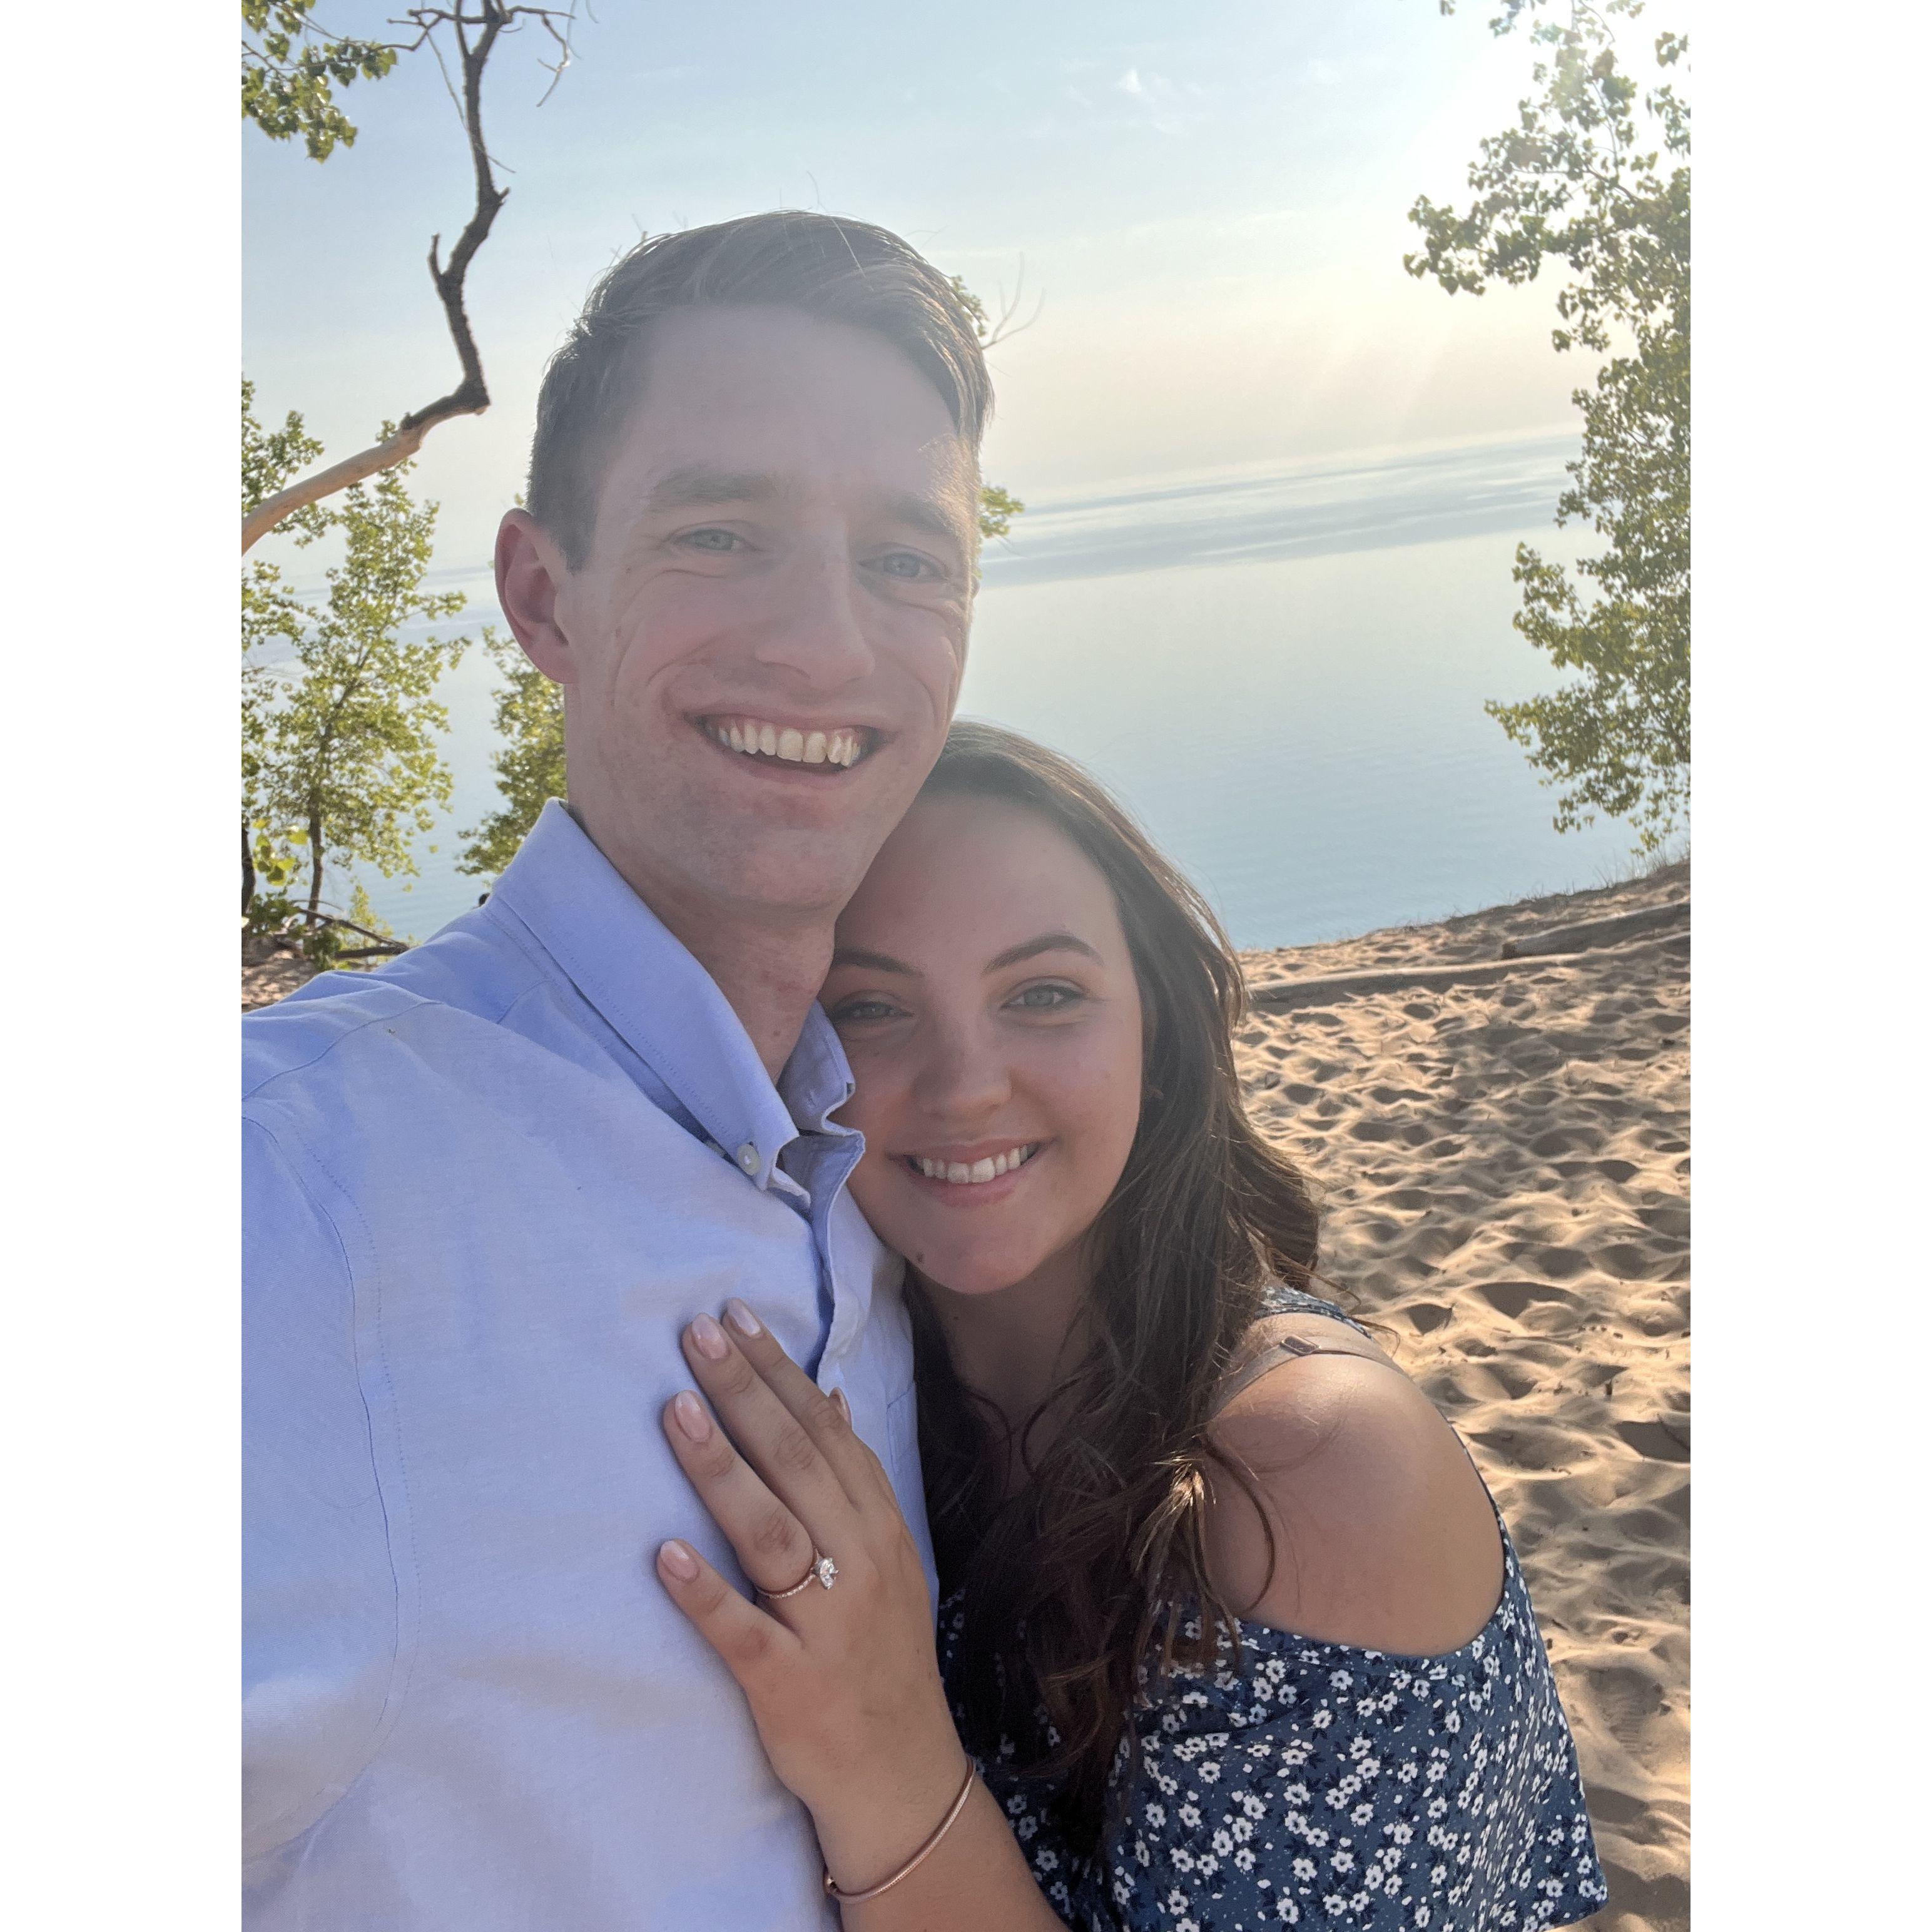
<point>964,1077</point>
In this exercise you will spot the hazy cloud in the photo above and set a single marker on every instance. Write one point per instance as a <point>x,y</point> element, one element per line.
<point>1302,510</point>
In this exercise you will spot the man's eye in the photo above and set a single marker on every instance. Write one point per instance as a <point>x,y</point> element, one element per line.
<point>908,566</point>
<point>714,541</point>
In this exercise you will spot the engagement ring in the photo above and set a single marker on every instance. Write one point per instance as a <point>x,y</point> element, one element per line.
<point>823,1572</point>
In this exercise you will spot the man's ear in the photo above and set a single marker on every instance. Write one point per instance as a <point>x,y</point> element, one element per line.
<point>530,570</point>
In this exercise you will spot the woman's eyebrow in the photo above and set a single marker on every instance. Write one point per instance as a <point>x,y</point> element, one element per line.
<point>877,962</point>
<point>1047,942</point>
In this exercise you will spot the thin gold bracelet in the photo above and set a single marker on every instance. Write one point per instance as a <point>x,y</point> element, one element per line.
<point>918,1857</point>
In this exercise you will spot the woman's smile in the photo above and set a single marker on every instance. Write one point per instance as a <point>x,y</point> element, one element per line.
<point>970,1177</point>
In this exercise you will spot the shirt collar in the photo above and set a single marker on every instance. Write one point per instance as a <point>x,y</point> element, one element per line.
<point>817,1080</point>
<point>656,997</point>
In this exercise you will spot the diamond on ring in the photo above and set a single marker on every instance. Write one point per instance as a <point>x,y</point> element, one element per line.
<point>827,1571</point>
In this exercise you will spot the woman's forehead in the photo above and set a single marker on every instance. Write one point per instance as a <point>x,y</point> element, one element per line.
<point>979,875</point>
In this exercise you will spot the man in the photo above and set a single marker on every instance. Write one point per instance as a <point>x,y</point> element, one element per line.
<point>487,1186</point>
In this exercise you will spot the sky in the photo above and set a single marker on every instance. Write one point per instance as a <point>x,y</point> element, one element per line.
<point>1264,466</point>
<point>1199,213</point>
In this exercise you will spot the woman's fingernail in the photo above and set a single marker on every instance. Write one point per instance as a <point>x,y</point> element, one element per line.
<point>845,1407</point>
<point>741,1318</point>
<point>678,1559</point>
<point>709,1338</point>
<point>691,1417</point>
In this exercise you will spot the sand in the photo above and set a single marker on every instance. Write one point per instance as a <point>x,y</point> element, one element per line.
<point>270,972</point>
<point>1506,1171</point>
<point>1505,1167</point>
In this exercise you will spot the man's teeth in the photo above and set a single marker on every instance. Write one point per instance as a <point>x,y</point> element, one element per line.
<point>754,737</point>
<point>962,1175</point>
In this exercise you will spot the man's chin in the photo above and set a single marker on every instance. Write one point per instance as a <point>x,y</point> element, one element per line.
<point>793,851</point>
<point>788,877</point>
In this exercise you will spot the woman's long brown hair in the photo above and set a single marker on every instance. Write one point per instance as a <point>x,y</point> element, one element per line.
<point>1097,1564</point>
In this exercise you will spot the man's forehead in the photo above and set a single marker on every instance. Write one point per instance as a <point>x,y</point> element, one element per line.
<point>767,363</point>
<point>776,406</point>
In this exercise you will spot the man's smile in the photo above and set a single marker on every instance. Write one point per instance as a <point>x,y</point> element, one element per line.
<point>830,750</point>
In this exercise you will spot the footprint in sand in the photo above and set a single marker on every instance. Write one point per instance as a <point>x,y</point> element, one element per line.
<point>1626,1700</point>
<point>1659,1442</point>
<point>1512,1297</point>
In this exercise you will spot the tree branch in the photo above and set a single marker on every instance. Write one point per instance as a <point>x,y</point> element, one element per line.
<point>257,523</point>
<point>471,396</point>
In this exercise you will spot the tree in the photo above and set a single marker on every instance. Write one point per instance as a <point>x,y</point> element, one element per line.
<point>271,612</point>
<point>530,708</point>
<point>997,507</point>
<point>340,756</point>
<point>530,764</point>
<point>1580,179</point>
<point>288,72</point>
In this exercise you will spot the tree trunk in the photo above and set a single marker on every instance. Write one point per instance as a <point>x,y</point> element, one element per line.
<point>314,865</point>
<point>247,869</point>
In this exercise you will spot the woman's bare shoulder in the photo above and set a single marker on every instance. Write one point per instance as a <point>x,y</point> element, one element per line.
<point>1383,1535</point>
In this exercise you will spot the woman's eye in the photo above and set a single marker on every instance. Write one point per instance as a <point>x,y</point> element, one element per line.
<point>857,1012</point>
<point>717,542</point>
<point>1044,999</point>
<point>908,566</point>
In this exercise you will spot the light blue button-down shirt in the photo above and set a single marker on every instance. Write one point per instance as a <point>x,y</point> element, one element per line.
<point>484,1189</point>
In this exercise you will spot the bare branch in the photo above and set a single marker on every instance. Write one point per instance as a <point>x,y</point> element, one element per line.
<point>471,396</point>
<point>1006,328</point>
<point>398,448</point>
<point>383,943</point>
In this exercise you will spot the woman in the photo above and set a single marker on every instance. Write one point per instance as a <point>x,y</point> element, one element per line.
<point>1231,1636</point>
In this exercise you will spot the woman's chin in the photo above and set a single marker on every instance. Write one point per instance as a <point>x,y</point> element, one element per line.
<point>969,1275</point>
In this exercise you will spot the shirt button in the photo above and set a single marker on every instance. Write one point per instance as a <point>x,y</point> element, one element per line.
<point>748,1158</point>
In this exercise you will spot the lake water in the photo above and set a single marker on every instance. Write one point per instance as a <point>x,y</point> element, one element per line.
<point>1280,670</point>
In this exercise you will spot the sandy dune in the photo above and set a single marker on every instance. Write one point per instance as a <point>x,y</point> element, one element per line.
<point>1506,1168</point>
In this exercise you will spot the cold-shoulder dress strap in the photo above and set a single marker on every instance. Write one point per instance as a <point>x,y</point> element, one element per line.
<point>1282,1300</point>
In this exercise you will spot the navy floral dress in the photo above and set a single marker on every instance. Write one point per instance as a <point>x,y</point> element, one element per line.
<point>1320,1785</point>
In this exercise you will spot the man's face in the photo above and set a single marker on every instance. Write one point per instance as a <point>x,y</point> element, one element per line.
<point>765,642</point>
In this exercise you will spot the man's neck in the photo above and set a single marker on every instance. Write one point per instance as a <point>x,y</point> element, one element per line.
<point>768,971</point>
<point>769,978</point>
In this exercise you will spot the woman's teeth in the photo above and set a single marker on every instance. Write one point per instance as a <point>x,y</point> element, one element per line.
<point>962,1175</point>
<point>755,738</point>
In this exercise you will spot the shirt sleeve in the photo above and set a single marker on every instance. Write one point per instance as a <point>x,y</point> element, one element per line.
<point>321,1605</point>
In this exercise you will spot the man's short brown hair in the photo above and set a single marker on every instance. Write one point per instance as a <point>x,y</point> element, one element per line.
<point>823,265</point>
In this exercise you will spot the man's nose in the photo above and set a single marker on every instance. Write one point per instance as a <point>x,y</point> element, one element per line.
<point>818,630</point>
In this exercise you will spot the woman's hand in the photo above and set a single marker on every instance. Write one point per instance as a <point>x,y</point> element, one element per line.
<point>843,1681</point>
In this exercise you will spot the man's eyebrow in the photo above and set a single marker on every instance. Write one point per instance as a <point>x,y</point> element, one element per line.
<point>944,517</point>
<point>877,962</point>
<point>1047,942</point>
<point>696,487</point>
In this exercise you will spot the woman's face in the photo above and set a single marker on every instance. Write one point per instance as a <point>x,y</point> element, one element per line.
<point>982,987</point>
